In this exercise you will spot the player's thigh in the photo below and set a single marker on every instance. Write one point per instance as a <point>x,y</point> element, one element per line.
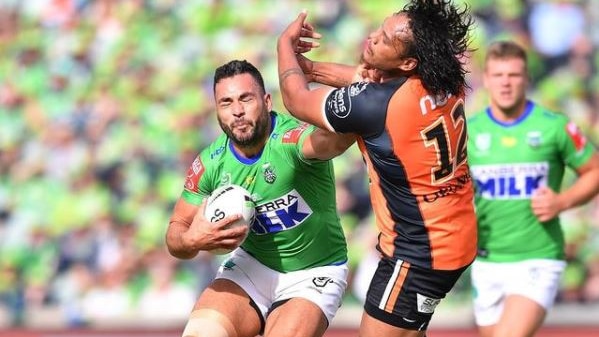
<point>513,297</point>
<point>296,317</point>
<point>228,299</point>
<point>488,283</point>
<point>323,286</point>
<point>521,317</point>
<point>537,280</point>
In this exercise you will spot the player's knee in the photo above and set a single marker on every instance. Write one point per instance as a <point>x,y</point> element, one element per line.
<point>208,323</point>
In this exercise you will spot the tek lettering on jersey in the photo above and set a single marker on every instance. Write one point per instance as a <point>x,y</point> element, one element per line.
<point>510,181</point>
<point>281,214</point>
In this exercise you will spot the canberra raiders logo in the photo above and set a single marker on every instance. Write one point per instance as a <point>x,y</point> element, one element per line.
<point>269,174</point>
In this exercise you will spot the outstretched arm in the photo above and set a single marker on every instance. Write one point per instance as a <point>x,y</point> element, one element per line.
<point>328,73</point>
<point>336,74</point>
<point>296,71</point>
<point>300,101</point>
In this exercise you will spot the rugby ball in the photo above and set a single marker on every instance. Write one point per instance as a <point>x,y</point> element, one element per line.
<point>229,200</point>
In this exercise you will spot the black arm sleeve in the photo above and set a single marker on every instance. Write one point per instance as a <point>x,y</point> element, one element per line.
<point>361,107</point>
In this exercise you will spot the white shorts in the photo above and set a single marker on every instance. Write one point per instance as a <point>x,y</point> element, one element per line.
<point>493,281</point>
<point>324,286</point>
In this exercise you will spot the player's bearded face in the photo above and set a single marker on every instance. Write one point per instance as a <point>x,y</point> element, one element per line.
<point>243,110</point>
<point>245,132</point>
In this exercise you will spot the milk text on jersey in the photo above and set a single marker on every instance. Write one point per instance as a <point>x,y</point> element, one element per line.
<point>510,181</point>
<point>281,214</point>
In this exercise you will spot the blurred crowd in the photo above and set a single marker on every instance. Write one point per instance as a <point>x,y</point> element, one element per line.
<point>105,103</point>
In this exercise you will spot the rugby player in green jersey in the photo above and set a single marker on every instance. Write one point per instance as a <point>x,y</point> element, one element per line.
<point>290,273</point>
<point>518,152</point>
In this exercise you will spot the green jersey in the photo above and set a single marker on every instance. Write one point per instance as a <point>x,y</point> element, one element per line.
<point>297,225</point>
<point>509,162</point>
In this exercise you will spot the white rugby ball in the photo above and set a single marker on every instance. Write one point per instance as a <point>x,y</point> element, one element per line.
<point>229,200</point>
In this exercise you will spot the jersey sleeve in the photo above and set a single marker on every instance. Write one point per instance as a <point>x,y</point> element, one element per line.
<point>297,136</point>
<point>359,108</point>
<point>574,146</point>
<point>195,189</point>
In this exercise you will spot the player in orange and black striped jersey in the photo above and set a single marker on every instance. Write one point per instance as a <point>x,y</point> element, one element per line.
<point>406,104</point>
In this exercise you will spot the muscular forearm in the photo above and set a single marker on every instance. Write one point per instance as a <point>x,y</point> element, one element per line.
<point>301,102</point>
<point>291,77</point>
<point>333,74</point>
<point>176,244</point>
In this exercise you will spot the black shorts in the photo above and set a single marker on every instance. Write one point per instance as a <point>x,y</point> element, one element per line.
<point>405,296</point>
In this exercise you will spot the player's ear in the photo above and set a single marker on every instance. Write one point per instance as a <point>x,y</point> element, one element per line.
<point>408,64</point>
<point>268,101</point>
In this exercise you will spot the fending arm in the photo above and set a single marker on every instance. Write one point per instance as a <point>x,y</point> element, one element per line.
<point>300,101</point>
<point>328,73</point>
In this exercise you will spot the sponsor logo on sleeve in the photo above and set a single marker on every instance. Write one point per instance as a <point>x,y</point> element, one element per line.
<point>194,173</point>
<point>340,100</point>
<point>339,103</point>
<point>293,136</point>
<point>576,136</point>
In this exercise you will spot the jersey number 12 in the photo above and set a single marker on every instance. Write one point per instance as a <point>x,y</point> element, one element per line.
<point>451,152</point>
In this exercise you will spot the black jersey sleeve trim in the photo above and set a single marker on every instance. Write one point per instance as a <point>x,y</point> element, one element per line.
<point>361,107</point>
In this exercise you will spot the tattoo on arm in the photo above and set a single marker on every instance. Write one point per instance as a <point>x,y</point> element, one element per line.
<point>289,72</point>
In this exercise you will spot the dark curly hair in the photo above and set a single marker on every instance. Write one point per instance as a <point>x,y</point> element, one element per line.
<point>441,37</point>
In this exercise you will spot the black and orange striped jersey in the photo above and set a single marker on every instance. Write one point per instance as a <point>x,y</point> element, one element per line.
<point>414,146</point>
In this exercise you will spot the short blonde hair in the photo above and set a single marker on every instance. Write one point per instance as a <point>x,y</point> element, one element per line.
<point>505,49</point>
